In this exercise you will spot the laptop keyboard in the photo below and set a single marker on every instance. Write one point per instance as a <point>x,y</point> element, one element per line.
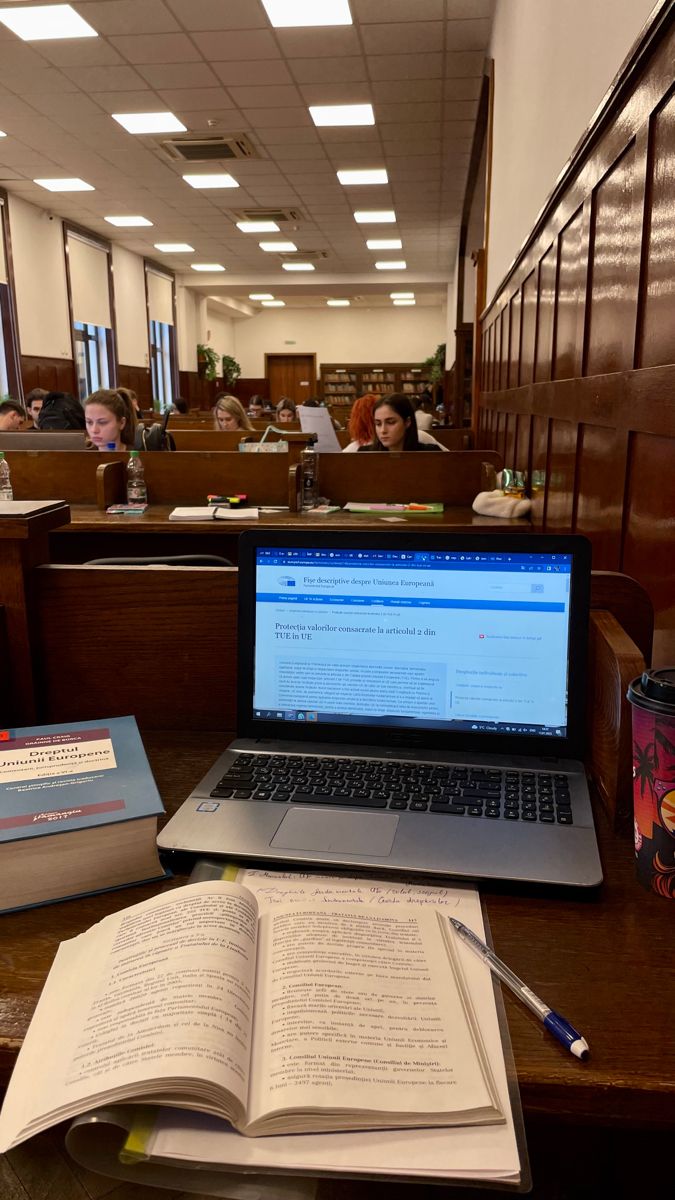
<point>490,793</point>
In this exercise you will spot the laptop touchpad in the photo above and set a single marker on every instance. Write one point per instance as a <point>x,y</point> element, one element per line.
<point>338,832</point>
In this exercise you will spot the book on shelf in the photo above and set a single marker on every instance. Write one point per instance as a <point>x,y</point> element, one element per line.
<point>78,811</point>
<point>301,1018</point>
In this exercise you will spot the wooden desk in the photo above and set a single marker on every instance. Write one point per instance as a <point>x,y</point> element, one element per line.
<point>606,962</point>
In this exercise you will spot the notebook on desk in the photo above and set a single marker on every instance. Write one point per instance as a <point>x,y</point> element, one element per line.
<point>406,701</point>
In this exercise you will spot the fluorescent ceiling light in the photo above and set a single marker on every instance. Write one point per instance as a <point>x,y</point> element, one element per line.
<point>403,303</point>
<point>174,247</point>
<point>150,122</point>
<point>273,303</point>
<point>258,226</point>
<point>376,175</point>
<point>64,185</point>
<point>279,247</point>
<point>207,266</point>
<point>211,181</point>
<point>381,217</point>
<point>297,266</point>
<point>401,295</point>
<point>338,303</point>
<point>384,244</point>
<point>127,222</point>
<point>287,14</point>
<point>2,134</point>
<point>47,21</point>
<point>342,114</point>
<point>391,266</point>
<point>260,296</point>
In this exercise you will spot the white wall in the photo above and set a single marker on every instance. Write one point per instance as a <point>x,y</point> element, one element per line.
<point>39,281</point>
<point>187,310</point>
<point>553,64</point>
<point>339,335</point>
<point>130,308</point>
<point>220,331</point>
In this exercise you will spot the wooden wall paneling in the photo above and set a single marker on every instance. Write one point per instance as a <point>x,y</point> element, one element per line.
<point>496,345</point>
<point>615,267</point>
<point>500,433</point>
<point>570,300</point>
<point>506,349</point>
<point>528,331</point>
<point>488,356</point>
<point>560,476</point>
<point>522,452</point>
<point>514,343</point>
<point>538,468</point>
<point>139,380</point>
<point>656,334</point>
<point>548,269</point>
<point>649,532</point>
<point>53,374</point>
<point>510,430</point>
<point>600,485</point>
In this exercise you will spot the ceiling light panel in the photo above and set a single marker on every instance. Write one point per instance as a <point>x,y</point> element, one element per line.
<point>297,267</point>
<point>174,247</point>
<point>258,226</point>
<point>260,296</point>
<point>391,266</point>
<point>403,303</point>
<point>46,22</point>
<point>293,14</point>
<point>338,303</point>
<point>127,222</point>
<point>207,266</point>
<point>273,303</point>
<point>342,114</point>
<point>64,185</point>
<point>378,217</point>
<point>150,122</point>
<point>211,181</point>
<point>278,247</point>
<point>358,178</point>
<point>401,295</point>
<point>384,244</point>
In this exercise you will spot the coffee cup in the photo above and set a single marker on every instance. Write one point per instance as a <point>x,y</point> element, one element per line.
<point>652,697</point>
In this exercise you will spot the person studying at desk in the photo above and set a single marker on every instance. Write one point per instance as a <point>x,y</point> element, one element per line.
<point>395,426</point>
<point>110,420</point>
<point>229,414</point>
<point>361,427</point>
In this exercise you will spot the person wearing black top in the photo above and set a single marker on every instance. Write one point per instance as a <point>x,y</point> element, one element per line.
<point>395,426</point>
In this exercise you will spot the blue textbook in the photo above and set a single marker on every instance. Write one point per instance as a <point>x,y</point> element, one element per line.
<point>78,811</point>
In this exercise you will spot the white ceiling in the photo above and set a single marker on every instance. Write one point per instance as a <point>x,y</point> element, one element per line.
<point>222,69</point>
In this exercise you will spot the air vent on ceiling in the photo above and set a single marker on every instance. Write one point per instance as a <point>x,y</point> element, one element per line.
<point>268,214</point>
<point>209,149</point>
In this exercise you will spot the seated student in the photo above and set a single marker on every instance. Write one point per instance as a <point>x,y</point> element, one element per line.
<point>229,413</point>
<point>11,416</point>
<point>34,401</point>
<point>256,407</point>
<point>395,426</point>
<point>131,396</point>
<point>286,411</point>
<point>60,410</point>
<point>180,405</point>
<point>423,416</point>
<point>361,426</point>
<point>110,419</point>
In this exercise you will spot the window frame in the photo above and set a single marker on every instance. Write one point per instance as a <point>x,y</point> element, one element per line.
<point>152,267</point>
<point>9,324</point>
<point>79,231</point>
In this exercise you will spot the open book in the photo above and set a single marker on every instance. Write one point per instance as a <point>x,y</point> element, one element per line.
<point>301,1018</point>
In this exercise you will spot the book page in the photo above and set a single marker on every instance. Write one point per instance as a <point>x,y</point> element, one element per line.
<point>362,1010</point>
<point>160,992</point>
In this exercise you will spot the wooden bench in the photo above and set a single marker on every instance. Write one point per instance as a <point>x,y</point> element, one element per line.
<point>454,478</point>
<point>229,440</point>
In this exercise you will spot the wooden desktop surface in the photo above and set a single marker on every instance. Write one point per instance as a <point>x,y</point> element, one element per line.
<point>605,961</point>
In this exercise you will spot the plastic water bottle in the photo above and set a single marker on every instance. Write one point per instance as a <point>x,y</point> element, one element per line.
<point>310,477</point>
<point>137,492</point>
<point>6,492</point>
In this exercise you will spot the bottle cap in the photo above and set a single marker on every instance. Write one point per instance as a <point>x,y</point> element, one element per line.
<point>133,454</point>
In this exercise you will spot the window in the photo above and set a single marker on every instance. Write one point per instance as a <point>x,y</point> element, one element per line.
<point>161,354</point>
<point>91,357</point>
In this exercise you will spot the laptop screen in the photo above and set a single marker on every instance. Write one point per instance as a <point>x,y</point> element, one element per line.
<point>470,637</point>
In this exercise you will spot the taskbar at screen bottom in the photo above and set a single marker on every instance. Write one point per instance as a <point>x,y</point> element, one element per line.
<point>308,716</point>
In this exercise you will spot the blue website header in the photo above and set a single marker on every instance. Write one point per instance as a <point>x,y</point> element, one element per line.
<point>417,560</point>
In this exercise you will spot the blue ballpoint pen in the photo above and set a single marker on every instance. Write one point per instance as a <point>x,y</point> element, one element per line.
<point>557,1025</point>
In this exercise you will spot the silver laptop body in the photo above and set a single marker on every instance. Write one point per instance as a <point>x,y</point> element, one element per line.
<point>450,667</point>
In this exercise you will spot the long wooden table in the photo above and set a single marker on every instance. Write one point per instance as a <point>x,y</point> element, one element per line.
<point>606,961</point>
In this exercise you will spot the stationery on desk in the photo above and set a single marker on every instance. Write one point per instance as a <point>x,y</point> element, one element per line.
<point>357,1010</point>
<point>357,506</point>
<point>79,811</point>
<point>213,512</point>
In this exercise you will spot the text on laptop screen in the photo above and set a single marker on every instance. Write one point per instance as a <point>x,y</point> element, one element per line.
<point>414,639</point>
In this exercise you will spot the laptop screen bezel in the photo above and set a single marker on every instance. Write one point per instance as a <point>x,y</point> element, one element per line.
<point>569,746</point>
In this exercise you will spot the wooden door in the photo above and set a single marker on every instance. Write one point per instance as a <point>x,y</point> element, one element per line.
<point>292,375</point>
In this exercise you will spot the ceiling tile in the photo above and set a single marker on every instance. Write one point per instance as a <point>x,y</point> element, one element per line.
<point>246,45</point>
<point>187,99</point>
<point>272,117</point>
<point>262,96</point>
<point>128,102</point>
<point>178,75</point>
<point>404,66</point>
<point>281,137</point>
<point>336,93</point>
<point>464,63</point>
<point>417,38</point>
<point>266,71</point>
<point>328,70</point>
<point>386,113</point>
<point>468,35</point>
<point>326,42</point>
<point>395,91</point>
<point>460,110</point>
<point>49,80</point>
<point>459,9</point>
<point>159,48</point>
<point>130,16</point>
<point>105,79</point>
<point>369,11</point>
<point>80,52</point>
<point>216,15</point>
<point>463,89</point>
<point>64,106</point>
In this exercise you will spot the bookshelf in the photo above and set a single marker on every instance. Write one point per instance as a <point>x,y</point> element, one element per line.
<point>341,383</point>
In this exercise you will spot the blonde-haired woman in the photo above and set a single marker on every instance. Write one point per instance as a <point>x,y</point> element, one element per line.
<point>230,414</point>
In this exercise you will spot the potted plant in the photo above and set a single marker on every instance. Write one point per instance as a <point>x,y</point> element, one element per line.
<point>207,361</point>
<point>231,370</point>
<point>436,364</point>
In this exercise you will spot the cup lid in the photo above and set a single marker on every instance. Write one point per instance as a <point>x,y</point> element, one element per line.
<point>654,689</point>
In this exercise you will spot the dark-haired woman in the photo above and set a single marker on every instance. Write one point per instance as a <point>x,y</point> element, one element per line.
<point>395,426</point>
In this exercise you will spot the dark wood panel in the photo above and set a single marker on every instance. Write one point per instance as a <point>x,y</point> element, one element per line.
<point>139,380</point>
<point>496,352</point>
<point>649,535</point>
<point>560,481</point>
<point>615,266</point>
<point>510,440</point>
<point>600,492</point>
<point>539,468</point>
<point>657,341</point>
<point>514,345</point>
<point>528,331</point>
<point>545,314</point>
<point>53,374</point>
<point>503,380</point>
<point>521,456</point>
<point>572,269</point>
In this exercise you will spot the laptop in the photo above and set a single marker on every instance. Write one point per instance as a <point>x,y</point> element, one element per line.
<point>409,702</point>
